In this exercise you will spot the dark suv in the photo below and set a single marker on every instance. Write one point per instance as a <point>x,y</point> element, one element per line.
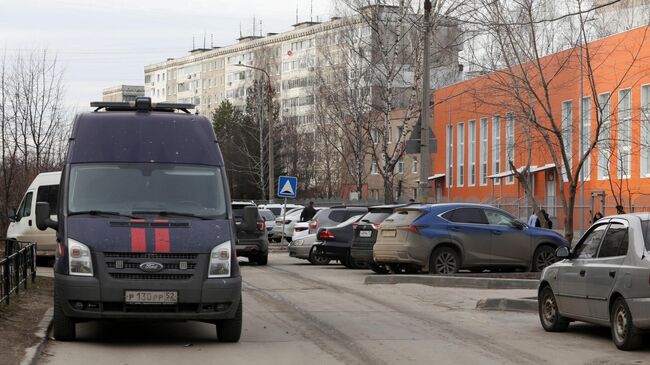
<point>334,241</point>
<point>365,236</point>
<point>255,244</point>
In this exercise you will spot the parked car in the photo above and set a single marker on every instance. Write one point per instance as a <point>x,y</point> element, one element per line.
<point>269,221</point>
<point>334,243</point>
<point>303,248</point>
<point>603,280</point>
<point>278,209</point>
<point>251,244</point>
<point>22,226</point>
<point>365,236</point>
<point>301,229</point>
<point>284,224</point>
<point>328,217</point>
<point>444,238</point>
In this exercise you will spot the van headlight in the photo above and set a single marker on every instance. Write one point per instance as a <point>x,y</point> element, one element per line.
<point>220,261</point>
<point>80,262</point>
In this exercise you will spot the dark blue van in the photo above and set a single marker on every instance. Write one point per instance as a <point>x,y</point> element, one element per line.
<point>145,228</point>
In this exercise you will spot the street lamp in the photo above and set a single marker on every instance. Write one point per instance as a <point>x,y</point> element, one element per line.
<point>425,156</point>
<point>270,121</point>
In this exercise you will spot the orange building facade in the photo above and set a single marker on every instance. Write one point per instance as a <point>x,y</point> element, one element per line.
<point>489,126</point>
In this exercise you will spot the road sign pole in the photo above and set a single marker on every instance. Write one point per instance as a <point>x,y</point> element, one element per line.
<point>284,218</point>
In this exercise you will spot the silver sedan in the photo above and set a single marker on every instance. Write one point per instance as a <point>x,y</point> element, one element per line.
<point>303,248</point>
<point>605,280</point>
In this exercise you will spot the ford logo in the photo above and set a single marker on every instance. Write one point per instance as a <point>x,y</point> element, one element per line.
<point>151,266</point>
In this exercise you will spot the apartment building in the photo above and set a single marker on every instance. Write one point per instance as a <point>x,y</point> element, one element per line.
<point>122,93</point>
<point>483,133</point>
<point>292,59</point>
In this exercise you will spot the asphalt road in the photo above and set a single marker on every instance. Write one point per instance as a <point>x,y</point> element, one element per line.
<point>295,313</point>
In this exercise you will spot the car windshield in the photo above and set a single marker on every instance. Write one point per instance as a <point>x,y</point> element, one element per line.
<point>375,217</point>
<point>645,225</point>
<point>148,189</point>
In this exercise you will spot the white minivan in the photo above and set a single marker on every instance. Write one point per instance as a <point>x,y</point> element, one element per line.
<point>44,188</point>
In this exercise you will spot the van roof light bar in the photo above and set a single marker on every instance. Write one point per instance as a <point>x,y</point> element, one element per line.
<point>141,104</point>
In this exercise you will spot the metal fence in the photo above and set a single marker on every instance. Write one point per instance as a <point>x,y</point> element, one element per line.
<point>17,267</point>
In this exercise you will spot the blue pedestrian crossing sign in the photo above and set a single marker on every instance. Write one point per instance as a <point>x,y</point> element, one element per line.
<point>287,186</point>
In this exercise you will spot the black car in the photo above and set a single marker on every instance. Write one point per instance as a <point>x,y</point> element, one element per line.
<point>251,244</point>
<point>334,242</point>
<point>365,236</point>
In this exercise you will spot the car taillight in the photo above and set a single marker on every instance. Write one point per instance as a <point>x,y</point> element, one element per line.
<point>326,235</point>
<point>376,226</point>
<point>261,226</point>
<point>355,225</point>
<point>300,229</point>
<point>313,224</point>
<point>410,228</point>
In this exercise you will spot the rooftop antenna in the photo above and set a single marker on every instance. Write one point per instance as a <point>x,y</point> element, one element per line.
<point>193,45</point>
<point>296,12</point>
<point>311,11</point>
<point>204,39</point>
<point>254,32</point>
<point>211,40</point>
<point>240,33</point>
<point>261,28</point>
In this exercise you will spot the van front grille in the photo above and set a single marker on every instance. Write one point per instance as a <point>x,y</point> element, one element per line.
<point>131,276</point>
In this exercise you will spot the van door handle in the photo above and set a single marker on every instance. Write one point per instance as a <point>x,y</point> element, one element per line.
<point>29,222</point>
<point>497,233</point>
<point>612,274</point>
<point>455,229</point>
<point>582,273</point>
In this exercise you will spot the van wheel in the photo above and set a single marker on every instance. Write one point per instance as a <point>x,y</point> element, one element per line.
<point>379,268</point>
<point>262,260</point>
<point>64,327</point>
<point>549,315</point>
<point>316,259</point>
<point>444,261</point>
<point>624,333</point>
<point>544,256</point>
<point>229,330</point>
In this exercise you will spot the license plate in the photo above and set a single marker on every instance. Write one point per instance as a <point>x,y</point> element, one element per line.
<point>150,297</point>
<point>365,233</point>
<point>389,233</point>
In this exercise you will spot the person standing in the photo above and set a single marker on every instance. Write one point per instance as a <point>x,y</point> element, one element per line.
<point>532,221</point>
<point>308,213</point>
<point>597,216</point>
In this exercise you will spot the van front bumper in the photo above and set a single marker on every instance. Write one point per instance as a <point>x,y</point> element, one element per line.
<point>88,298</point>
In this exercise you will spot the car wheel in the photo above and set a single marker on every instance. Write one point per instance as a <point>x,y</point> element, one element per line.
<point>64,327</point>
<point>263,260</point>
<point>549,315</point>
<point>379,268</point>
<point>444,261</point>
<point>396,268</point>
<point>544,256</point>
<point>316,259</point>
<point>229,330</point>
<point>624,333</point>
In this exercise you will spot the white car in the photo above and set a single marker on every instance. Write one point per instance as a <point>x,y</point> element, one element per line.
<point>284,224</point>
<point>44,188</point>
<point>269,220</point>
<point>278,209</point>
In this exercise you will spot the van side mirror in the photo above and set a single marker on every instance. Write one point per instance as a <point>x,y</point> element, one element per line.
<point>562,252</point>
<point>11,213</point>
<point>43,220</point>
<point>249,221</point>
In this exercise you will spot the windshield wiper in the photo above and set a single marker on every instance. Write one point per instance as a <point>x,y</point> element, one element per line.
<point>163,213</point>
<point>101,212</point>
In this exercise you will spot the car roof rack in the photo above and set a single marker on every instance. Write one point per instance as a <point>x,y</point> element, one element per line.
<point>142,104</point>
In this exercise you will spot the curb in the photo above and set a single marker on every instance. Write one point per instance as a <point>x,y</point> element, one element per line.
<point>506,304</point>
<point>453,281</point>
<point>34,352</point>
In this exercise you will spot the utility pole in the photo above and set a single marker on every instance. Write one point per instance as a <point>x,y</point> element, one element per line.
<point>425,164</point>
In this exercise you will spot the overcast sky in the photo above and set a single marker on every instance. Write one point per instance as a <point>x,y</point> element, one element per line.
<point>101,43</point>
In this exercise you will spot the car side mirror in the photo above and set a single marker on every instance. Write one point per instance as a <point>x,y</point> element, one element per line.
<point>562,252</point>
<point>43,220</point>
<point>517,224</point>
<point>249,221</point>
<point>11,213</point>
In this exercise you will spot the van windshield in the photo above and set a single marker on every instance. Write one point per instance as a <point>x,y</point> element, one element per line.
<point>139,187</point>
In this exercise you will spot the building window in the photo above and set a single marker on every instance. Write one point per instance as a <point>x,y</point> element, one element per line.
<point>450,155</point>
<point>645,131</point>
<point>460,154</point>
<point>604,144</point>
<point>390,134</point>
<point>483,168</point>
<point>496,144</point>
<point>472,152</point>
<point>586,137</point>
<point>400,166</point>
<point>510,145</point>
<point>400,132</point>
<point>567,135</point>
<point>414,166</point>
<point>374,135</point>
<point>373,167</point>
<point>624,133</point>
